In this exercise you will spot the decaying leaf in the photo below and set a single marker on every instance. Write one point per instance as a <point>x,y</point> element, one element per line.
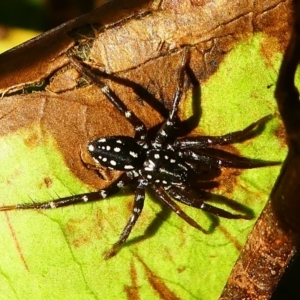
<point>48,113</point>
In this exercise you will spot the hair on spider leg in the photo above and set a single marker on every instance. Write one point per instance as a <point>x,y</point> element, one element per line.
<point>163,163</point>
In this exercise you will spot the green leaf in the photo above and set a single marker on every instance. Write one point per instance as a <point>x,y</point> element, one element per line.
<point>58,254</point>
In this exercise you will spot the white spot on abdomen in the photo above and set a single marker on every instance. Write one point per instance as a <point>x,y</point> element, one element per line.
<point>91,148</point>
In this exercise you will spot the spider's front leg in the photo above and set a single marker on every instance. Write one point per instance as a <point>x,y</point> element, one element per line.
<point>164,198</point>
<point>187,198</point>
<point>229,138</point>
<point>77,199</point>
<point>135,213</point>
<point>217,158</point>
<point>199,149</point>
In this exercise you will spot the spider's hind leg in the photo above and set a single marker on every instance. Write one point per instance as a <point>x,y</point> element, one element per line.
<point>139,126</point>
<point>76,199</point>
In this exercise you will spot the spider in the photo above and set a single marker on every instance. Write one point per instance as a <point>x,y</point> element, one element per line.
<point>170,166</point>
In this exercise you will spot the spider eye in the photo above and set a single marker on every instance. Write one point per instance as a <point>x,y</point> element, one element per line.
<point>117,152</point>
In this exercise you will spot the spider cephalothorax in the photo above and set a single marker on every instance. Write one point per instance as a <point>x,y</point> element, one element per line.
<point>170,166</point>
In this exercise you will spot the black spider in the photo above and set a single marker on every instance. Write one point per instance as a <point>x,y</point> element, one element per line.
<point>172,167</point>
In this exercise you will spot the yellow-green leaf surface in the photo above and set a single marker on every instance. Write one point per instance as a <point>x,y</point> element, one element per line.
<point>15,36</point>
<point>58,254</point>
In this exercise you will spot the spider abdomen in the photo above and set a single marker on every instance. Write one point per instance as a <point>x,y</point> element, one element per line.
<point>117,152</point>
<point>164,166</point>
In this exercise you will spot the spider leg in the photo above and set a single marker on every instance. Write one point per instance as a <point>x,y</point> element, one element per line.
<point>81,198</point>
<point>135,213</point>
<point>229,138</point>
<point>231,161</point>
<point>139,126</point>
<point>163,197</point>
<point>170,123</point>
<point>189,199</point>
